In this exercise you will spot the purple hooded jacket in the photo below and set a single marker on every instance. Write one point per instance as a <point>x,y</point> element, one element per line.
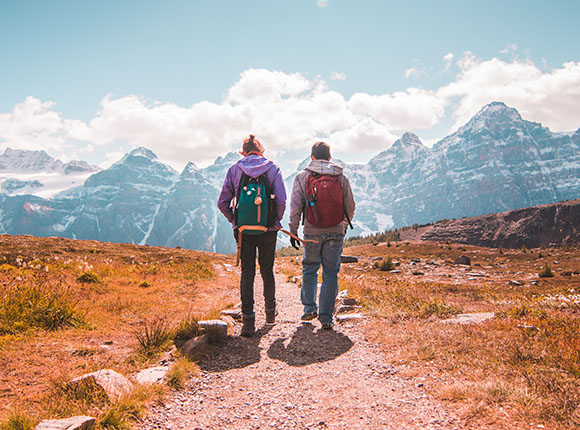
<point>253,166</point>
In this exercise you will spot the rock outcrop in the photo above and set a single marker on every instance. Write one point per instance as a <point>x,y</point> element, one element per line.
<point>546,225</point>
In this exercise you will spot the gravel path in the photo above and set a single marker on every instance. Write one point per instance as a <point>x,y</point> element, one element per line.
<point>296,376</point>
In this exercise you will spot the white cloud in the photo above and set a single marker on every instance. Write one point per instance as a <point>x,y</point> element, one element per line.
<point>414,72</point>
<point>552,97</point>
<point>34,124</point>
<point>288,112</point>
<point>510,47</point>
<point>448,61</point>
<point>412,109</point>
<point>322,3</point>
<point>337,76</point>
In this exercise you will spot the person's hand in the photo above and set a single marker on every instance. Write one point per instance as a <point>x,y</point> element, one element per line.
<point>295,244</point>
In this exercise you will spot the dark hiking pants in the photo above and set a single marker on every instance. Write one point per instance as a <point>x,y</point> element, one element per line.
<point>265,244</point>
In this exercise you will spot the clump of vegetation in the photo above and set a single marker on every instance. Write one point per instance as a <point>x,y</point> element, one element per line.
<point>33,303</point>
<point>17,421</point>
<point>180,372</point>
<point>154,338</point>
<point>386,265</point>
<point>145,284</point>
<point>388,236</point>
<point>121,416</point>
<point>546,272</point>
<point>89,277</point>
<point>186,329</point>
<point>401,300</point>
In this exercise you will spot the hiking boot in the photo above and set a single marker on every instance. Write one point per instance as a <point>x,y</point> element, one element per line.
<point>271,315</point>
<point>327,326</point>
<point>308,316</point>
<point>248,328</point>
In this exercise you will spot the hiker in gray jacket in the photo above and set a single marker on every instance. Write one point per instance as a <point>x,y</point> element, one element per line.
<point>323,198</point>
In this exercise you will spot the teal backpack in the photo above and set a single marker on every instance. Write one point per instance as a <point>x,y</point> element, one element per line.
<point>255,205</point>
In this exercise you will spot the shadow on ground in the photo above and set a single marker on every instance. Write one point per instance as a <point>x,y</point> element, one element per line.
<point>308,346</point>
<point>235,352</point>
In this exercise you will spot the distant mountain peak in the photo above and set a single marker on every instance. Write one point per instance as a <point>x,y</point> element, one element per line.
<point>30,161</point>
<point>143,152</point>
<point>189,170</point>
<point>230,157</point>
<point>493,115</point>
<point>497,109</point>
<point>409,138</point>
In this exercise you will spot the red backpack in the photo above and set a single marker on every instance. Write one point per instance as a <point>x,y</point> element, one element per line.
<point>324,207</point>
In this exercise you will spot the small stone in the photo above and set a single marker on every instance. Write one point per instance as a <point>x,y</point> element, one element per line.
<point>234,313</point>
<point>515,283</point>
<point>195,346</point>
<point>475,318</point>
<point>74,423</point>
<point>228,320</point>
<point>348,259</point>
<point>216,329</point>
<point>464,259</point>
<point>344,308</point>
<point>153,375</point>
<point>347,317</point>
<point>112,383</point>
<point>348,301</point>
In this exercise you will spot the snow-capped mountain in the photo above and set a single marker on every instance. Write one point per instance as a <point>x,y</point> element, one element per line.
<point>35,172</point>
<point>496,162</point>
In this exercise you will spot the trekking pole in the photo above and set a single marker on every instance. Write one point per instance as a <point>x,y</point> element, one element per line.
<point>303,241</point>
<point>239,253</point>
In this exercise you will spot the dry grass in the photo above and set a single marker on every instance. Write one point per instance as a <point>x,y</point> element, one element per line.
<point>80,305</point>
<point>521,366</point>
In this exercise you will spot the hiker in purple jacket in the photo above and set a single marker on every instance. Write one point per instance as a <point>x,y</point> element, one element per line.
<point>254,165</point>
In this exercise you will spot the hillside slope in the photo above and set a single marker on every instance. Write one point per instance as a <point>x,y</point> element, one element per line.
<point>546,225</point>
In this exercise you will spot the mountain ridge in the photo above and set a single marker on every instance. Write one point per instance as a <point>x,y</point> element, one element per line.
<point>497,161</point>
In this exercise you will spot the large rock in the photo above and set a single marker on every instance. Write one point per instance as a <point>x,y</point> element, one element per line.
<point>348,259</point>
<point>113,384</point>
<point>73,423</point>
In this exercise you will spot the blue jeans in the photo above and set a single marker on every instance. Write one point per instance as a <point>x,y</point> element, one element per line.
<point>326,252</point>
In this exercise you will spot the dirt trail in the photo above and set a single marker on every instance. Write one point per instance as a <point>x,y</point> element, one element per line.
<point>297,376</point>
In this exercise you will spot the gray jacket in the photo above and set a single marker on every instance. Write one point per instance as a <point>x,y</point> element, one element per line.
<point>298,198</point>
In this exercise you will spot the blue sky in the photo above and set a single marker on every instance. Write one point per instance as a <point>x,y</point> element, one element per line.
<point>62,61</point>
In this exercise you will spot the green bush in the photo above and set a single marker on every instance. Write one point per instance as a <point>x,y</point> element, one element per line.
<point>386,265</point>
<point>546,272</point>
<point>89,278</point>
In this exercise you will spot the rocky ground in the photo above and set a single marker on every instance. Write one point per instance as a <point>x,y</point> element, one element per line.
<point>294,375</point>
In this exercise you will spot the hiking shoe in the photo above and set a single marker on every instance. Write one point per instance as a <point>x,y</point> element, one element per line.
<point>248,328</point>
<point>327,326</point>
<point>308,316</point>
<point>271,316</point>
